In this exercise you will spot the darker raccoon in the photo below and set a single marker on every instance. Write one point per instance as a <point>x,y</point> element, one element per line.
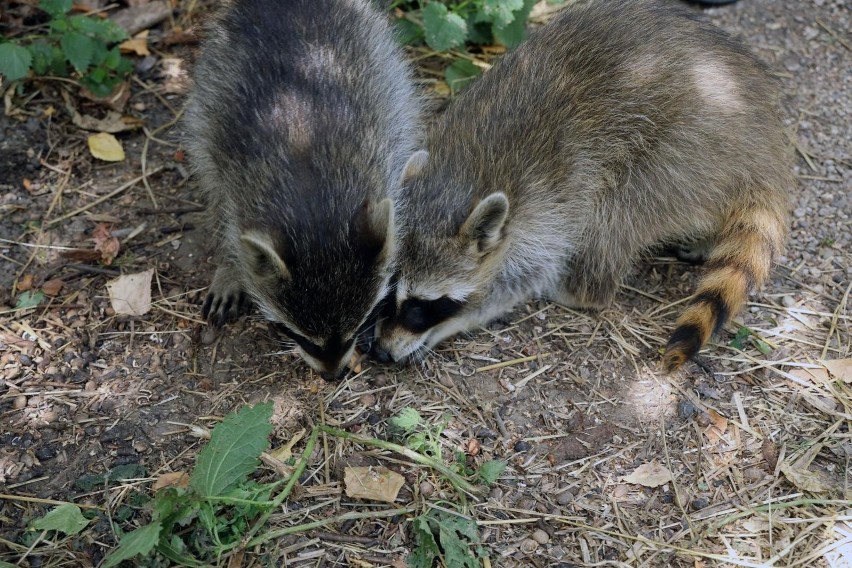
<point>617,127</point>
<point>301,120</point>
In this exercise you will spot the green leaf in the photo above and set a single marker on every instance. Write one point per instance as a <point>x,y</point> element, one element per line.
<point>407,420</point>
<point>78,48</point>
<point>490,471</point>
<point>762,346</point>
<point>444,30</point>
<point>427,550</point>
<point>55,7</point>
<point>105,30</point>
<point>66,518</point>
<point>457,535</point>
<point>29,299</point>
<point>15,61</point>
<point>501,12</point>
<point>460,74</point>
<point>514,33</point>
<point>407,32</point>
<point>233,451</point>
<point>141,541</point>
<point>42,54</point>
<point>113,58</point>
<point>738,342</point>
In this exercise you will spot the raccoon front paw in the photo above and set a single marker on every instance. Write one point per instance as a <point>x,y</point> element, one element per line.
<point>225,300</point>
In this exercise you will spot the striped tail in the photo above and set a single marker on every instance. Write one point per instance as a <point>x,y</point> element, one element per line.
<point>752,237</point>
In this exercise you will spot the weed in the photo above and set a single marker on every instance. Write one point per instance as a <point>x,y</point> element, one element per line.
<point>79,43</point>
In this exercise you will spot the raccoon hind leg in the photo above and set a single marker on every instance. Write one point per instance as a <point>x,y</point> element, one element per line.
<point>226,299</point>
<point>593,275</point>
<point>692,252</point>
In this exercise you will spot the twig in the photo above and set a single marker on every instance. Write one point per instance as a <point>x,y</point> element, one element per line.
<point>100,200</point>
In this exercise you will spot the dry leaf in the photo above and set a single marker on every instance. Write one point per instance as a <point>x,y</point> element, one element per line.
<point>130,294</point>
<point>104,146</point>
<point>52,287</point>
<point>718,425</point>
<point>28,184</point>
<point>840,369</point>
<point>25,283</point>
<point>649,475</point>
<point>138,18</point>
<point>286,451</point>
<point>376,483</point>
<point>105,243</point>
<point>804,479</point>
<point>172,479</point>
<point>138,44</point>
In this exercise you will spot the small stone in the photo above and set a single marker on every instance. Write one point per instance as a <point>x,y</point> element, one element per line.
<point>20,402</point>
<point>426,488</point>
<point>367,399</point>
<point>686,409</point>
<point>753,474</point>
<point>522,446</point>
<point>25,360</point>
<point>446,381</point>
<point>527,504</point>
<point>528,546</point>
<point>540,536</point>
<point>380,380</point>
<point>565,498</point>
<point>788,301</point>
<point>208,336</point>
<point>496,493</point>
<point>699,503</point>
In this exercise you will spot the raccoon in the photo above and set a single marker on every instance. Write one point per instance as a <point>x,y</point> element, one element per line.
<point>302,117</point>
<point>617,127</point>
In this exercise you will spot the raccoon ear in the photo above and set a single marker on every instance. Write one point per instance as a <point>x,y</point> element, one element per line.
<point>485,224</point>
<point>414,164</point>
<point>261,256</point>
<point>381,219</point>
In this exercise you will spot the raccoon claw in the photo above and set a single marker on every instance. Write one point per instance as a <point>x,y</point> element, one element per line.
<point>219,310</point>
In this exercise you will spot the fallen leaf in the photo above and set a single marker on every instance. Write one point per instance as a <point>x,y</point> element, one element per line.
<point>49,111</point>
<point>840,369</point>
<point>25,283</point>
<point>718,425</point>
<point>104,146</point>
<point>107,245</point>
<point>28,184</point>
<point>805,479</point>
<point>130,294</point>
<point>171,479</point>
<point>286,451</point>
<point>138,44</point>
<point>112,122</point>
<point>52,287</point>
<point>649,475</point>
<point>376,483</point>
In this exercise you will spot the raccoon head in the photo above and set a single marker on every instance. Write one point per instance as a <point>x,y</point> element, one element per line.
<point>321,292</point>
<point>442,280</point>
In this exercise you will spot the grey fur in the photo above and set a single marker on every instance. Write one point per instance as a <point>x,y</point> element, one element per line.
<point>302,117</point>
<point>615,127</point>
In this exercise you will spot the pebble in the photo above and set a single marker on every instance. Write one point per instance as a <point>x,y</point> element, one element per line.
<point>699,503</point>
<point>426,488</point>
<point>208,336</point>
<point>540,536</point>
<point>527,504</point>
<point>20,402</point>
<point>496,493</point>
<point>565,498</point>
<point>528,545</point>
<point>788,301</point>
<point>522,446</point>
<point>368,399</point>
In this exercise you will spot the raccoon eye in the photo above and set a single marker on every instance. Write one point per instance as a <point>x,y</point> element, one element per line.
<point>419,315</point>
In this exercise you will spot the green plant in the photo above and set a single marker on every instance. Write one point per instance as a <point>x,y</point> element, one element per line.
<point>79,43</point>
<point>441,534</point>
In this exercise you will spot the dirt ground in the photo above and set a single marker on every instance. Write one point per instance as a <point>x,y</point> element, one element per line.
<point>756,433</point>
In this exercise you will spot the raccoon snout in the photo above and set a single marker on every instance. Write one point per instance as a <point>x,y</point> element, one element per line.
<point>381,354</point>
<point>332,377</point>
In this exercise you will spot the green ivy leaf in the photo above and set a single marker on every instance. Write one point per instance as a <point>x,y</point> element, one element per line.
<point>55,8</point>
<point>141,541</point>
<point>514,33</point>
<point>78,48</point>
<point>233,451</point>
<point>444,30</point>
<point>460,74</point>
<point>501,13</point>
<point>66,518</point>
<point>490,471</point>
<point>15,61</point>
<point>29,299</point>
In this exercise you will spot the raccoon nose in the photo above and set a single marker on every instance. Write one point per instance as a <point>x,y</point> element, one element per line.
<point>381,355</point>
<point>332,377</point>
